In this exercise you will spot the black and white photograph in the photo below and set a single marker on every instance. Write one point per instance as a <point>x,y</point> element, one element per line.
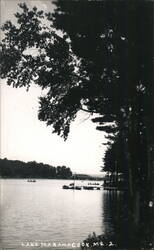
<point>76,124</point>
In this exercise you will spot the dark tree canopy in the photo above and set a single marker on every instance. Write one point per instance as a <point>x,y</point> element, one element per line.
<point>114,41</point>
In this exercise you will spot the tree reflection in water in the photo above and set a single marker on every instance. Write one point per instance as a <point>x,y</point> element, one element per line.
<point>119,231</point>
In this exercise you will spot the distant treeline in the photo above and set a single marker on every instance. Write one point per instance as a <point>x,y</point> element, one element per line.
<point>19,169</point>
<point>88,177</point>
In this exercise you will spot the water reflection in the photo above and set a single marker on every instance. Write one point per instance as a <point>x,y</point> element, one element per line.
<point>117,222</point>
<point>115,215</point>
<point>119,231</point>
<point>108,209</point>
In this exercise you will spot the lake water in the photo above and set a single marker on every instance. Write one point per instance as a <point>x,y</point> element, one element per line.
<point>44,213</point>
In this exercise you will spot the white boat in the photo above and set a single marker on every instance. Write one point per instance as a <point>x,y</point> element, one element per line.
<point>92,186</point>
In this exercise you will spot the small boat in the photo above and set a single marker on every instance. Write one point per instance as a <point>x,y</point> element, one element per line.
<point>92,186</point>
<point>31,180</point>
<point>72,186</point>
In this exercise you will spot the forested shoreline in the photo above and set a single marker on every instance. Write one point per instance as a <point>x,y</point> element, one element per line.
<point>20,169</point>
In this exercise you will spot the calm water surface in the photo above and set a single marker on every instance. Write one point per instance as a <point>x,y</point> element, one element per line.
<point>44,212</point>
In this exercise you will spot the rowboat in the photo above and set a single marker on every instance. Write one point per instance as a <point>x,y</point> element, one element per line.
<point>31,180</point>
<point>72,186</point>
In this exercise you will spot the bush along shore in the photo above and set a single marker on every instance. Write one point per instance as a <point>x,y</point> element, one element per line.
<point>116,242</point>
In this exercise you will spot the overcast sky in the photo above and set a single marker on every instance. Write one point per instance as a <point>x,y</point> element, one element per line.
<point>24,137</point>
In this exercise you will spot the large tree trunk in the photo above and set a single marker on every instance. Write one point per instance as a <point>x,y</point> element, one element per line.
<point>141,186</point>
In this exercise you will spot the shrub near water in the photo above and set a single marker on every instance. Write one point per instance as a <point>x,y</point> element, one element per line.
<point>112,241</point>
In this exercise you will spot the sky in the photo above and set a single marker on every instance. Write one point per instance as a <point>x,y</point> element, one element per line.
<point>25,138</point>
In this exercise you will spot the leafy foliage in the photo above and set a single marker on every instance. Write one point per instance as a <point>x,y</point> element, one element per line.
<point>32,52</point>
